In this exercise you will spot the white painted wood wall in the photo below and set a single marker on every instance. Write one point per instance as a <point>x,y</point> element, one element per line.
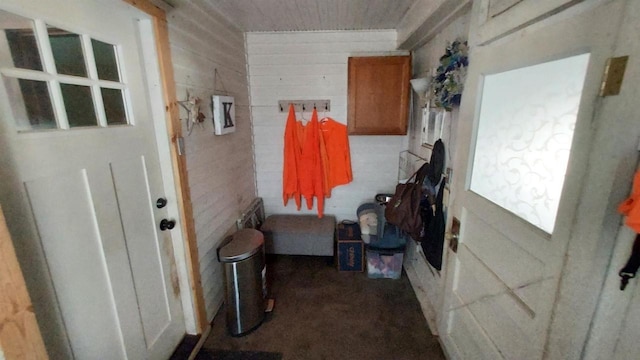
<point>427,282</point>
<point>313,65</point>
<point>220,168</point>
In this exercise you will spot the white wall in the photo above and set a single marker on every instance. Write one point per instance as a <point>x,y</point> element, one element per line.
<point>313,65</point>
<point>220,168</point>
<point>425,59</point>
<point>427,283</point>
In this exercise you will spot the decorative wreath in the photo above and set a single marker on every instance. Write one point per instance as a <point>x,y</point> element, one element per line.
<point>449,79</point>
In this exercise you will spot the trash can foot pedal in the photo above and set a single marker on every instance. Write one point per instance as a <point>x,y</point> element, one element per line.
<point>270,304</point>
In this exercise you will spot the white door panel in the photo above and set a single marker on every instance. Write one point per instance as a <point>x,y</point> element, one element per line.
<point>63,211</point>
<point>135,204</point>
<point>502,282</point>
<point>92,192</point>
<point>468,339</point>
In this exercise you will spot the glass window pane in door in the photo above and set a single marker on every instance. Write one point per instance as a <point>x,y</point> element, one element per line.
<point>30,104</point>
<point>525,130</point>
<point>113,100</point>
<point>106,62</point>
<point>18,46</point>
<point>67,52</point>
<point>79,105</point>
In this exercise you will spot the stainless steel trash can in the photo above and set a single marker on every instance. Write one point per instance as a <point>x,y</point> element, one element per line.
<point>245,286</point>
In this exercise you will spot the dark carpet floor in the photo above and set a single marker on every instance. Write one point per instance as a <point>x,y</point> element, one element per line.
<point>321,313</point>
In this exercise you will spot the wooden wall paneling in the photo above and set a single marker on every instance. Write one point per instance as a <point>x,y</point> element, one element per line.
<point>426,282</point>
<point>305,15</point>
<point>179,164</point>
<point>220,168</point>
<point>319,74</point>
<point>19,332</point>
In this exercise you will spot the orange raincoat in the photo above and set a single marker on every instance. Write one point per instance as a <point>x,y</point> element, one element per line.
<point>292,155</point>
<point>310,171</point>
<point>302,171</point>
<point>631,206</point>
<point>336,155</point>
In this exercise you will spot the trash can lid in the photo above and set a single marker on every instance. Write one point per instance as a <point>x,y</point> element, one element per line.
<point>243,244</point>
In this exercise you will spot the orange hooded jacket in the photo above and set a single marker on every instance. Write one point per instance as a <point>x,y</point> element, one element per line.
<point>303,173</point>
<point>292,157</point>
<point>631,206</point>
<point>310,171</point>
<point>336,154</point>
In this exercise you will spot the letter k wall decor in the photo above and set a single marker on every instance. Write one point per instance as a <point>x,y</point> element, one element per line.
<point>224,114</point>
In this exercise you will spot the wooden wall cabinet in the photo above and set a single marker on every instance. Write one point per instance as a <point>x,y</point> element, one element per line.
<point>378,100</point>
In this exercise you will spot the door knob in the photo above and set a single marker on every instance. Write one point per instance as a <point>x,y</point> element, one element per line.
<point>161,202</point>
<point>167,224</point>
<point>454,235</point>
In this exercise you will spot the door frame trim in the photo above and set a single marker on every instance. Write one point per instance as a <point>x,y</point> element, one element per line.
<point>21,335</point>
<point>179,164</point>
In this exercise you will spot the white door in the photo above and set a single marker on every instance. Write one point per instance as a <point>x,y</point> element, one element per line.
<point>525,131</point>
<point>81,176</point>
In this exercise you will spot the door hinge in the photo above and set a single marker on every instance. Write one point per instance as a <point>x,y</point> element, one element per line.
<point>613,76</point>
<point>180,145</point>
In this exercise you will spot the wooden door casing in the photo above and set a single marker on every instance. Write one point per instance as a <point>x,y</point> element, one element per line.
<point>19,332</point>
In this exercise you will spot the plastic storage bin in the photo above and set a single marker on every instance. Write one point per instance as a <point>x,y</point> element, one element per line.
<point>242,255</point>
<point>384,263</point>
<point>385,243</point>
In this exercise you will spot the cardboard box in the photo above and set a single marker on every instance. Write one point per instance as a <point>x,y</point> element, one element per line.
<point>348,230</point>
<point>349,247</point>
<point>350,255</point>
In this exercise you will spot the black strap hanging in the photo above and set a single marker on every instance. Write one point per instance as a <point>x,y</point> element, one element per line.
<point>629,270</point>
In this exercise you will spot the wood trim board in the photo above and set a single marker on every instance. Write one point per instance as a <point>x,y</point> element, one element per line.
<point>20,336</point>
<point>181,178</point>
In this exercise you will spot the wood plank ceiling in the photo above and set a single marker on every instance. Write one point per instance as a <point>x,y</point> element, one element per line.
<point>308,15</point>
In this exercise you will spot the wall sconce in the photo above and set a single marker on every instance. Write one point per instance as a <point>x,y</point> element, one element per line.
<point>421,87</point>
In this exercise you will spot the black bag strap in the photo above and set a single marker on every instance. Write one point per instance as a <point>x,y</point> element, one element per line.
<point>422,173</point>
<point>416,178</point>
<point>629,271</point>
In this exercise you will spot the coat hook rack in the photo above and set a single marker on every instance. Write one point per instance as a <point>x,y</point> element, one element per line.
<point>304,105</point>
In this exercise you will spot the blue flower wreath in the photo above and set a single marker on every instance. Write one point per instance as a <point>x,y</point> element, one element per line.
<point>449,79</point>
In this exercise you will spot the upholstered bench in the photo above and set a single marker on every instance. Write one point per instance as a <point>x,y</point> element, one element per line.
<point>299,234</point>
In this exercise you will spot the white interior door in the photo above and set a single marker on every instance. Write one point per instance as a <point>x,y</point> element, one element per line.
<point>525,131</point>
<point>81,176</point>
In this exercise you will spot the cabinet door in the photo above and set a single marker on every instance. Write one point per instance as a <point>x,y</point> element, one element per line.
<point>378,95</point>
<point>496,18</point>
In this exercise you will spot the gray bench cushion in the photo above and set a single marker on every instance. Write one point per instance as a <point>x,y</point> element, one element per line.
<point>299,234</point>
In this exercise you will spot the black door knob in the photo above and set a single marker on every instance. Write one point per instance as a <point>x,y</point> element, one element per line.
<point>167,224</point>
<point>161,202</point>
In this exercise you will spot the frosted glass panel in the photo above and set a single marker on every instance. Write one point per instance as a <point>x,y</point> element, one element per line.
<point>526,124</point>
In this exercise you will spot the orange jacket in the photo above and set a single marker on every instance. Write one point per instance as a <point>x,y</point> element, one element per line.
<point>292,155</point>
<point>302,174</point>
<point>337,157</point>
<point>310,172</point>
<point>631,206</point>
